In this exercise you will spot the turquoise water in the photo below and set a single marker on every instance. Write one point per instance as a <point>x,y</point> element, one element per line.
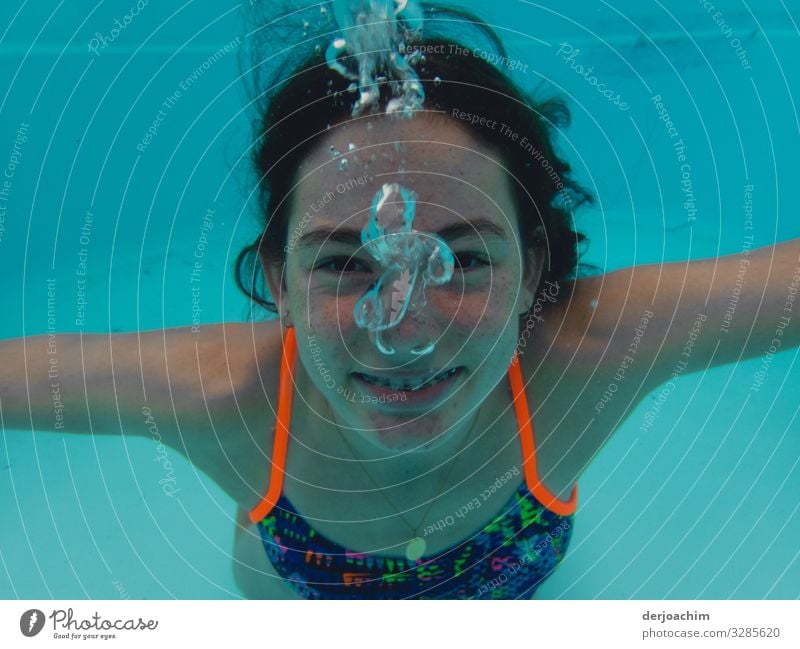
<point>703,505</point>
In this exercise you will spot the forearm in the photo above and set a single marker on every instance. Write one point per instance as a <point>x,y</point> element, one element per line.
<point>700,313</point>
<point>107,384</point>
<point>759,303</point>
<point>51,382</point>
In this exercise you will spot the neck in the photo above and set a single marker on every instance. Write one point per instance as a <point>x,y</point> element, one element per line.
<point>459,444</point>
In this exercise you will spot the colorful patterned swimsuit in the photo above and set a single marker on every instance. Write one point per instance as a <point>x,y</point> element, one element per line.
<point>507,559</point>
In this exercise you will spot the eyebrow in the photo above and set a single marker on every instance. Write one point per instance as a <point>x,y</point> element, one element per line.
<point>349,236</point>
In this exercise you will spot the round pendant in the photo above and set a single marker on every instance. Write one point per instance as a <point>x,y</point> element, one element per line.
<point>415,548</point>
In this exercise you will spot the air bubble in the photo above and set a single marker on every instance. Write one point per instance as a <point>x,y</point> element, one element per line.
<point>411,261</point>
<point>343,164</point>
<point>377,33</point>
<point>437,81</point>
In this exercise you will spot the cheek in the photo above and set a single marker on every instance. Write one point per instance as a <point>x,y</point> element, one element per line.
<point>486,302</point>
<point>328,315</point>
<point>324,355</point>
<point>321,305</point>
<point>488,319</point>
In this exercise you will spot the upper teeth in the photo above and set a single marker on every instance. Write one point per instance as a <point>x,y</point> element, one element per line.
<point>408,386</point>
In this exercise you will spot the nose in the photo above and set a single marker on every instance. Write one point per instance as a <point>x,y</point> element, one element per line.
<point>413,336</point>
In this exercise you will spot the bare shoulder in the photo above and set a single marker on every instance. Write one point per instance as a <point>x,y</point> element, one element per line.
<point>244,359</point>
<point>223,390</point>
<point>214,358</point>
<point>569,365</point>
<point>561,333</point>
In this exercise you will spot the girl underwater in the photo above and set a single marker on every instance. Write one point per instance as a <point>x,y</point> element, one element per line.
<point>441,370</point>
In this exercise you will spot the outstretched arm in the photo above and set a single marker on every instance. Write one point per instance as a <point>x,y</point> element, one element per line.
<point>107,384</point>
<point>683,317</point>
<point>197,393</point>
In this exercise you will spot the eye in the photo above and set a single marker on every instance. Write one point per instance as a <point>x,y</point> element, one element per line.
<point>343,264</point>
<point>470,261</point>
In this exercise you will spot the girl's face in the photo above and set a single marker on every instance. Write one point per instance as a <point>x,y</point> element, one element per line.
<point>464,196</point>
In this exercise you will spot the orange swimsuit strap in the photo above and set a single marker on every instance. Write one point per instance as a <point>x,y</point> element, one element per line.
<point>286,391</point>
<point>540,492</point>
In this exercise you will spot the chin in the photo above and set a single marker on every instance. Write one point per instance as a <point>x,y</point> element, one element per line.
<point>420,435</point>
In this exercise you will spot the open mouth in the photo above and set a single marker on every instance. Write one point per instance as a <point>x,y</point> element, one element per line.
<point>408,384</point>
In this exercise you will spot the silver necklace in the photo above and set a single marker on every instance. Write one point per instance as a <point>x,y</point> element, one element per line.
<point>416,547</point>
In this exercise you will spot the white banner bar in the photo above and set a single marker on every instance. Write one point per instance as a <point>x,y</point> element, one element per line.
<point>618,624</point>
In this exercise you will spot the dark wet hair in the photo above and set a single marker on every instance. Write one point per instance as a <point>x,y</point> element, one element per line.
<point>298,110</point>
